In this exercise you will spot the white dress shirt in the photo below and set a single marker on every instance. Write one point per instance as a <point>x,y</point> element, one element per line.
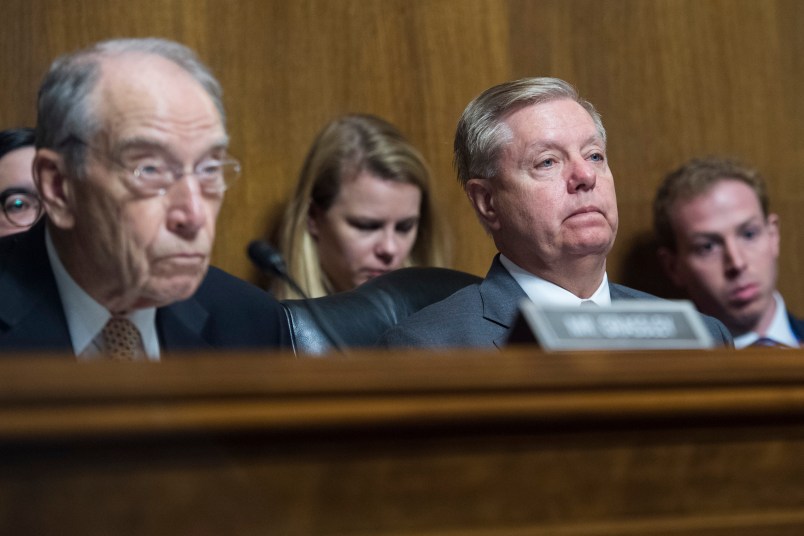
<point>86,317</point>
<point>544,292</point>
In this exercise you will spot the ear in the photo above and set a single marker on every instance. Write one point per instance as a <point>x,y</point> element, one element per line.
<point>669,261</point>
<point>54,187</point>
<point>773,230</point>
<point>481,194</point>
<point>313,215</point>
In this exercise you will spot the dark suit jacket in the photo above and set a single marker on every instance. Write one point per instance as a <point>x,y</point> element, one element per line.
<point>797,325</point>
<point>225,312</point>
<point>483,314</point>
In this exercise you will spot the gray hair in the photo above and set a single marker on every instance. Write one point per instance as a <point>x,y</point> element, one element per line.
<point>481,133</point>
<point>65,112</point>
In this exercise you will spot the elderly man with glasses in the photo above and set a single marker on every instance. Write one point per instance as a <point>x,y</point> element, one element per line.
<point>131,166</point>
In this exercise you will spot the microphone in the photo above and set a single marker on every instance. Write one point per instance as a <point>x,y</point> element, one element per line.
<point>270,261</point>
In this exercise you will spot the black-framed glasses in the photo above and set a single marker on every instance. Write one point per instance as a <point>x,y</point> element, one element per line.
<point>21,207</point>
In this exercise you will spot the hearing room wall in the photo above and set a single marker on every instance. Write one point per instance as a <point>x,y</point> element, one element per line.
<point>672,79</point>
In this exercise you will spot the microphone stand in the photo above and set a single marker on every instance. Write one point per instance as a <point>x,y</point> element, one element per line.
<point>270,261</point>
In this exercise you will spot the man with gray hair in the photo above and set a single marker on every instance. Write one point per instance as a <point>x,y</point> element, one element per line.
<point>531,157</point>
<point>131,166</point>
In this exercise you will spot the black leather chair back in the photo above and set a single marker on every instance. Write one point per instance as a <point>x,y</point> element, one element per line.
<point>358,317</point>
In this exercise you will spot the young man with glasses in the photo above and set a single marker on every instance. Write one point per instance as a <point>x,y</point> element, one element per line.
<point>132,167</point>
<point>18,197</point>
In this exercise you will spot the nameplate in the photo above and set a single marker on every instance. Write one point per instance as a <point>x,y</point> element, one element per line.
<point>625,325</point>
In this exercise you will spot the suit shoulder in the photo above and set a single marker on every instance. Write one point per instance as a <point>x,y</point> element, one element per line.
<point>715,327</point>
<point>241,314</point>
<point>797,324</point>
<point>439,324</point>
<point>623,292</point>
<point>465,300</point>
<point>221,291</point>
<point>219,283</point>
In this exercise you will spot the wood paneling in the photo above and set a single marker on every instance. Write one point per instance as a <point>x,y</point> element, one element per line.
<point>584,444</point>
<point>673,79</point>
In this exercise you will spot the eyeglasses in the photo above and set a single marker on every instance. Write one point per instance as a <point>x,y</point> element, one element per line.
<point>21,207</point>
<point>156,174</point>
<point>155,177</point>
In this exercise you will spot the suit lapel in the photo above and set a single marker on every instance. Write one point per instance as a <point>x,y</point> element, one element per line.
<point>797,326</point>
<point>500,295</point>
<point>618,293</point>
<point>181,326</point>
<point>31,313</point>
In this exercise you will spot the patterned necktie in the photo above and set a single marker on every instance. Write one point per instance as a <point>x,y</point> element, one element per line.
<point>122,340</point>
<point>588,303</point>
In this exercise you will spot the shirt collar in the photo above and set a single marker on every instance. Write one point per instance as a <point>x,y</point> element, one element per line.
<point>779,329</point>
<point>86,317</point>
<point>544,292</point>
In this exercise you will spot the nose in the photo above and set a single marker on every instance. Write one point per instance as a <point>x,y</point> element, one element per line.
<point>582,176</point>
<point>734,259</point>
<point>187,211</point>
<point>387,246</point>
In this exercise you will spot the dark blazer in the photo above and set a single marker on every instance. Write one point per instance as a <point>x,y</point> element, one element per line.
<point>797,325</point>
<point>483,314</point>
<point>225,312</point>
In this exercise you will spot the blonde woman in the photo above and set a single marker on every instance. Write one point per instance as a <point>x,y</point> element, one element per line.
<point>362,207</point>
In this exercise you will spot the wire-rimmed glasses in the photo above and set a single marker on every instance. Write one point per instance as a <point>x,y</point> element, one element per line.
<point>156,176</point>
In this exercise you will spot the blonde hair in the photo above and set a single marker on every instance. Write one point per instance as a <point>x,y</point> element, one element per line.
<point>346,147</point>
